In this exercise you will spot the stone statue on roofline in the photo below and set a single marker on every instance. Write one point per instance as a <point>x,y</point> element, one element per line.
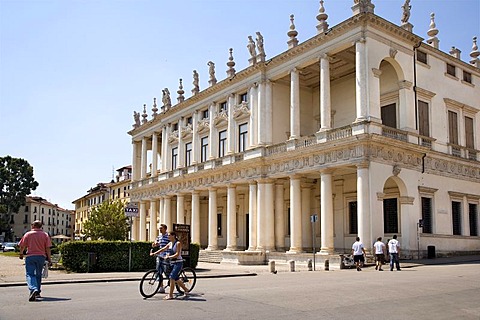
<point>406,12</point>
<point>260,47</point>
<point>211,72</point>
<point>196,86</point>
<point>252,50</point>
<point>166,100</point>
<point>136,119</point>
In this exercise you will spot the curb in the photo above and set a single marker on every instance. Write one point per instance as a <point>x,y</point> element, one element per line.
<point>72,281</point>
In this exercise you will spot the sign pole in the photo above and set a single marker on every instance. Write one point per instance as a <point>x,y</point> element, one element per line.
<point>313,219</point>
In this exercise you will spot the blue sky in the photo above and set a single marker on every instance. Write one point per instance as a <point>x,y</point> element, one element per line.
<point>72,72</point>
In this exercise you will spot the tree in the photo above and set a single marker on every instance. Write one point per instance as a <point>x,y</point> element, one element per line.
<point>107,221</point>
<point>16,182</point>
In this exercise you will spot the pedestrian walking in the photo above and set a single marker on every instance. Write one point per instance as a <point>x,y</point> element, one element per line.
<point>380,249</point>
<point>394,251</point>
<point>37,243</point>
<point>161,241</point>
<point>358,252</point>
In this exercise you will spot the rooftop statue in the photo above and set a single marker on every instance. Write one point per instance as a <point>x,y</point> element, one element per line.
<point>196,86</point>
<point>136,119</point>
<point>211,72</point>
<point>406,11</point>
<point>166,100</point>
<point>261,49</point>
<point>251,47</point>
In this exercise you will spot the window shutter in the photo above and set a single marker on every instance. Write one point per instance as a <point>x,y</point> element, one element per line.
<point>389,115</point>
<point>424,121</point>
<point>452,127</point>
<point>469,143</point>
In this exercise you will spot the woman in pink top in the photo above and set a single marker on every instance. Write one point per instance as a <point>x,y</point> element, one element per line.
<point>37,242</point>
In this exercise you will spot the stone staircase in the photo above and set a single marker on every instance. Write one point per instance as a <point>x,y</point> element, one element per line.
<point>211,256</point>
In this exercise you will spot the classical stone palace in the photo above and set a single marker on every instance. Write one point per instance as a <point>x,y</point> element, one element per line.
<point>366,129</point>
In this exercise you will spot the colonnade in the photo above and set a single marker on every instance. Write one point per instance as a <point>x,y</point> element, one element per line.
<point>267,208</point>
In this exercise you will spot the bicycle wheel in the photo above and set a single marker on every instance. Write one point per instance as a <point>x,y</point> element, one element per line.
<point>189,279</point>
<point>150,283</point>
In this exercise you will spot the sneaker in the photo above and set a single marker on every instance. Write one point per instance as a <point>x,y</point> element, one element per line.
<point>33,296</point>
<point>376,267</point>
<point>380,269</point>
<point>399,269</point>
<point>358,269</point>
<point>161,290</point>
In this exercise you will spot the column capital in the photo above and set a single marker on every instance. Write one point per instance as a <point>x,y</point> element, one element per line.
<point>264,180</point>
<point>327,171</point>
<point>325,56</point>
<point>295,176</point>
<point>294,70</point>
<point>363,165</point>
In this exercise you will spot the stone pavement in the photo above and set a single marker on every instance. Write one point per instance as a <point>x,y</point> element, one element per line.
<point>12,271</point>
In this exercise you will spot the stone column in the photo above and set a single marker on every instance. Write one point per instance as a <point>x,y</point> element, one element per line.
<point>153,220</point>
<point>195,139</point>
<point>279,216</point>
<point>143,221</point>
<point>212,219</point>
<point>363,204</point>
<point>180,208</point>
<point>213,135</point>
<point>295,215</point>
<point>325,103</point>
<point>231,218</point>
<point>269,215</point>
<point>326,208</point>
<point>266,136</point>
<point>262,116</point>
<point>261,214</point>
<point>161,211</point>
<point>181,146</point>
<point>164,149</point>
<point>231,125</point>
<point>136,161</point>
<point>195,217</point>
<point>253,99</point>
<point>306,212</point>
<point>144,158</point>
<point>252,215</point>
<point>294,104</point>
<point>154,154</point>
<point>361,89</point>
<point>168,212</point>
<point>135,228</point>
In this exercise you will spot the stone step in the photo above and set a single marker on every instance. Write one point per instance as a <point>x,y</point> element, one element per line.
<point>211,256</point>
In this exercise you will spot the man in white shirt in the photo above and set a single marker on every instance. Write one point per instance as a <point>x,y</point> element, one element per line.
<point>379,254</point>
<point>358,252</point>
<point>394,251</point>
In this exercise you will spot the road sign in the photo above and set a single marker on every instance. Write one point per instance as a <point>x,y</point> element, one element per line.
<point>131,210</point>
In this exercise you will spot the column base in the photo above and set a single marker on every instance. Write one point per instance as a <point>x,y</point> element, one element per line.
<point>294,251</point>
<point>210,248</point>
<point>325,251</point>
<point>230,248</point>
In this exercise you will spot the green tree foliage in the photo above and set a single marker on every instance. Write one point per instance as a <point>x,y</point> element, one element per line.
<point>107,221</point>
<point>16,182</point>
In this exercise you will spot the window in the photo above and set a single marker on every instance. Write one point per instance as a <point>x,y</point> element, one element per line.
<point>174,158</point>
<point>223,107</point>
<point>26,208</point>
<point>205,114</point>
<point>242,137</point>
<point>467,77</point>
<point>243,97</point>
<point>188,154</point>
<point>43,210</point>
<point>469,141</point>
<point>451,70</point>
<point>175,127</point>
<point>473,219</point>
<point>352,217</point>
<point>204,149</point>
<point>389,115</point>
<point>189,120</point>
<point>452,127</point>
<point>118,193</point>
<point>423,119</point>
<point>219,224</point>
<point>457,217</point>
<point>390,215</point>
<point>421,57</point>
<point>222,143</point>
<point>25,220</point>
<point>427,215</point>
<point>35,210</point>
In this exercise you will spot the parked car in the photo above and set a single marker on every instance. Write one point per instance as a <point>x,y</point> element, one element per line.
<point>9,246</point>
<point>1,246</point>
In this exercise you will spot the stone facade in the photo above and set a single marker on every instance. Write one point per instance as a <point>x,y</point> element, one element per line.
<point>365,125</point>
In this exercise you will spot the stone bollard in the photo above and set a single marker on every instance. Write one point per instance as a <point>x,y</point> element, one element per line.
<point>292,265</point>
<point>271,266</point>
<point>327,265</point>
<point>309,265</point>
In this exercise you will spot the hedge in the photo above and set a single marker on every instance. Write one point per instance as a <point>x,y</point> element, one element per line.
<point>112,256</point>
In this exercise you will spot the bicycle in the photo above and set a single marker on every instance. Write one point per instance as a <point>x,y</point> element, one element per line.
<point>152,279</point>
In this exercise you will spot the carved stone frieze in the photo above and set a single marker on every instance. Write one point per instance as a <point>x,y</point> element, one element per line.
<point>241,110</point>
<point>451,168</point>
<point>187,131</point>
<point>220,118</point>
<point>173,136</point>
<point>203,126</point>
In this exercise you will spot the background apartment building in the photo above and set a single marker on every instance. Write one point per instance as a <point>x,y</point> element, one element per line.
<point>367,125</point>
